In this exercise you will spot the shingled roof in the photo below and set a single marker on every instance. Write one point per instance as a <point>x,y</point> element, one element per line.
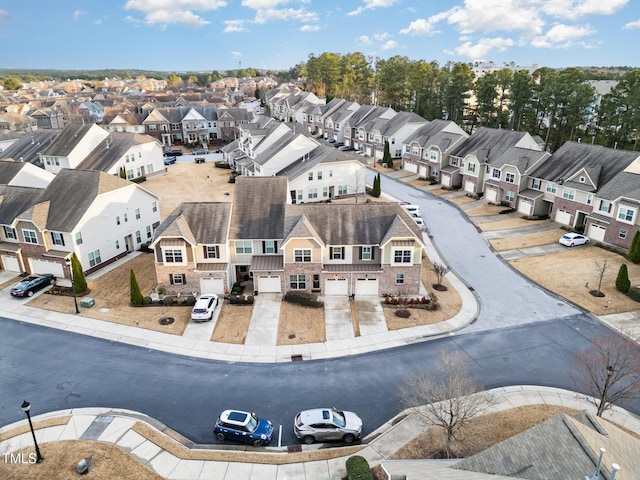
<point>199,222</point>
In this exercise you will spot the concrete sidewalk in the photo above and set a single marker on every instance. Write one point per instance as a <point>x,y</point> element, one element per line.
<point>117,427</point>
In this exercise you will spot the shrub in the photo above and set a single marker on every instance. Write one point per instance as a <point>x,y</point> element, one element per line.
<point>136,294</point>
<point>403,313</point>
<point>144,247</point>
<point>634,294</point>
<point>222,164</point>
<point>302,298</point>
<point>167,301</point>
<point>249,299</point>
<point>146,300</point>
<point>139,179</point>
<point>634,251</point>
<point>622,281</point>
<point>358,468</point>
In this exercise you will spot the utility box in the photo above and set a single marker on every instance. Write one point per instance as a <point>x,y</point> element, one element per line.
<point>88,302</point>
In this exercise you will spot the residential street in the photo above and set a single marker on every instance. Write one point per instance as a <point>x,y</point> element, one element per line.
<point>522,336</point>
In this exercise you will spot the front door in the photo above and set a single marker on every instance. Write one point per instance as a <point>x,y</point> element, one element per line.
<point>128,241</point>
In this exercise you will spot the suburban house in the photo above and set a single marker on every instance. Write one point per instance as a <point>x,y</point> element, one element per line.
<point>497,163</point>
<point>90,146</point>
<point>427,150</point>
<point>291,106</point>
<point>366,134</point>
<point>274,246</point>
<point>26,147</point>
<point>23,174</point>
<point>335,121</point>
<point>97,216</point>
<point>314,116</point>
<point>126,122</point>
<point>47,117</point>
<point>193,125</point>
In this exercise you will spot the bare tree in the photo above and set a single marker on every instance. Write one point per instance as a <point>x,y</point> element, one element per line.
<point>447,398</point>
<point>440,270</point>
<point>358,185</point>
<point>601,268</point>
<point>608,371</point>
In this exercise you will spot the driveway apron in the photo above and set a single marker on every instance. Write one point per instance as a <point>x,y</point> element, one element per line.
<point>337,318</point>
<point>370,315</point>
<point>263,328</point>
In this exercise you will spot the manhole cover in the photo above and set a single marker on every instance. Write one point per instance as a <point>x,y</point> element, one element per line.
<point>167,320</point>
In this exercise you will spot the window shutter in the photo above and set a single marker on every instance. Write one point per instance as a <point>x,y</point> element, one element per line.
<point>264,247</point>
<point>171,279</point>
<point>217,251</point>
<point>184,278</point>
<point>275,247</point>
<point>53,241</point>
<point>360,254</point>
<point>62,239</point>
<point>373,253</point>
<point>204,249</point>
<point>342,253</point>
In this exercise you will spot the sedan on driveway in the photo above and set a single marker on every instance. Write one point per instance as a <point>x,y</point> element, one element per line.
<point>573,239</point>
<point>31,284</point>
<point>243,427</point>
<point>204,307</point>
<point>320,424</point>
<point>169,160</point>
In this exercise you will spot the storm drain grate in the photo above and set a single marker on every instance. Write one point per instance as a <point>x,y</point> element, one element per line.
<point>296,358</point>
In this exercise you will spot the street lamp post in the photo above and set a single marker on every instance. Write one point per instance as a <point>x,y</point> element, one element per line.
<point>26,406</point>
<point>73,285</point>
<point>605,391</point>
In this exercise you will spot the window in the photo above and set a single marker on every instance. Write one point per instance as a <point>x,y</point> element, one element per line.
<point>536,183</point>
<point>177,279</point>
<point>269,246</point>
<point>454,161</point>
<point>510,178</point>
<point>9,232</point>
<point>30,236</point>
<point>211,251</point>
<point>311,176</point>
<point>622,233</point>
<point>316,282</point>
<point>173,256</point>
<point>605,206</point>
<point>433,155</point>
<point>149,231</point>
<point>78,238</point>
<point>154,206</point>
<point>94,258</point>
<point>129,174</point>
<point>125,217</point>
<point>243,247</point>
<point>626,214</point>
<point>117,244</point>
<point>415,150</point>
<point>589,198</point>
<point>137,214</point>
<point>582,179</point>
<point>299,195</point>
<point>342,189</point>
<point>57,238</point>
<point>568,193</point>
<point>471,167</point>
<point>325,191</point>
<point>365,253</point>
<point>402,256</point>
<point>117,219</point>
<point>330,173</point>
<point>434,171</point>
<point>302,255</point>
<point>551,187</point>
<point>297,282</point>
<point>400,279</point>
<point>313,193</point>
<point>138,237</point>
<point>319,175</point>
<point>336,253</point>
<point>509,195</point>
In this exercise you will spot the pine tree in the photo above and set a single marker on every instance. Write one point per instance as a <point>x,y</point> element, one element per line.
<point>386,157</point>
<point>375,192</point>
<point>634,251</point>
<point>622,281</point>
<point>136,294</point>
<point>79,282</point>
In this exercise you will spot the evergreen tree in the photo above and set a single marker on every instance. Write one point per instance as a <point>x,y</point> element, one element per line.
<point>622,281</point>
<point>136,294</point>
<point>375,192</point>
<point>79,282</point>
<point>634,251</point>
<point>386,157</point>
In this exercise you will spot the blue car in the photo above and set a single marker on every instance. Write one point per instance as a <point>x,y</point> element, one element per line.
<point>243,427</point>
<point>29,285</point>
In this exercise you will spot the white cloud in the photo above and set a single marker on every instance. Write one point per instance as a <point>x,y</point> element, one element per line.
<point>309,28</point>
<point>237,54</point>
<point>97,22</point>
<point>370,4</point>
<point>380,36</point>
<point>165,12</point>
<point>4,15</point>
<point>365,39</point>
<point>274,10</point>
<point>630,25</point>
<point>78,14</point>
<point>234,26</point>
<point>483,47</point>
<point>418,27</point>
<point>389,45</point>
<point>562,36</point>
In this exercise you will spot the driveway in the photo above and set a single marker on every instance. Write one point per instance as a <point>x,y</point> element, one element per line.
<point>337,318</point>
<point>370,315</point>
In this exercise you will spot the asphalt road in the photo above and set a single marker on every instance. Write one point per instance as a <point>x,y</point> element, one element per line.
<point>523,335</point>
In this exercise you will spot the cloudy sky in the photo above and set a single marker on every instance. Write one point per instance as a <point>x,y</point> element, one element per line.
<point>205,35</point>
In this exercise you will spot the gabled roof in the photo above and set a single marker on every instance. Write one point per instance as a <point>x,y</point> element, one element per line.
<point>322,154</point>
<point>259,208</point>
<point>16,200</point>
<point>68,139</point>
<point>9,170</point>
<point>112,149</point>
<point>603,163</point>
<point>443,134</point>
<point>489,144</point>
<point>204,223</point>
<point>399,120</point>
<point>301,228</point>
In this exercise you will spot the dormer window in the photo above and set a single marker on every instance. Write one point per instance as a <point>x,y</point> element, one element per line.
<point>582,179</point>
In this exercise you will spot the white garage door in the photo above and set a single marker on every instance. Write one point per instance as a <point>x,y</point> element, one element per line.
<point>269,284</point>
<point>366,286</point>
<point>336,286</point>
<point>446,180</point>
<point>596,232</point>
<point>469,186</point>
<point>423,172</point>
<point>411,167</point>
<point>525,207</point>
<point>44,266</point>
<point>563,217</point>
<point>212,285</point>
<point>491,195</point>
<point>11,264</point>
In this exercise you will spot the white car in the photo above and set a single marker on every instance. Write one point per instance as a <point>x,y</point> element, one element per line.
<point>573,239</point>
<point>412,209</point>
<point>419,221</point>
<point>204,307</point>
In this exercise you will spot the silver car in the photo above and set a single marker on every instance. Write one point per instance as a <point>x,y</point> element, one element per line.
<point>204,307</point>
<point>322,424</point>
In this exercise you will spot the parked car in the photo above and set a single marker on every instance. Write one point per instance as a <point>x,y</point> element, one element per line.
<point>412,209</point>
<point>346,148</point>
<point>200,151</point>
<point>169,160</point>
<point>327,424</point>
<point>32,284</point>
<point>173,152</point>
<point>243,427</point>
<point>338,144</point>
<point>331,140</point>
<point>203,309</point>
<point>573,239</point>
<point>419,221</point>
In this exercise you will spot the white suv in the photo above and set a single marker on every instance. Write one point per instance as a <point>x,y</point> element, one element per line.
<point>204,307</point>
